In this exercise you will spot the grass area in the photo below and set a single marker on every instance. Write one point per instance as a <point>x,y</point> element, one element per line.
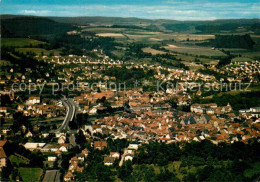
<point>38,51</point>
<point>20,42</point>
<point>241,59</point>
<point>174,167</point>
<point>104,30</point>
<point>193,50</point>
<point>249,53</point>
<point>152,51</point>
<point>235,92</point>
<point>110,35</point>
<point>255,170</point>
<point>5,63</point>
<point>192,58</point>
<point>192,37</point>
<point>18,160</point>
<point>30,174</point>
<point>118,53</point>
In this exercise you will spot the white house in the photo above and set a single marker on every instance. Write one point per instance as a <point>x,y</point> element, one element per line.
<point>133,146</point>
<point>108,161</point>
<point>115,155</point>
<point>33,100</point>
<point>63,149</point>
<point>34,146</point>
<point>52,158</point>
<point>62,139</point>
<point>93,110</point>
<point>128,157</point>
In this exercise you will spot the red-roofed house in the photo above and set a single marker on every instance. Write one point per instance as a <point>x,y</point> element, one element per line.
<point>3,156</point>
<point>100,145</point>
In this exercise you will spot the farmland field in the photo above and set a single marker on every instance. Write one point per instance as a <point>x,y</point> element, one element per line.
<point>191,37</point>
<point>104,30</point>
<point>38,51</point>
<point>253,53</point>
<point>30,174</point>
<point>20,42</point>
<point>110,35</point>
<point>194,50</point>
<point>152,51</point>
<point>18,160</point>
<point>241,59</point>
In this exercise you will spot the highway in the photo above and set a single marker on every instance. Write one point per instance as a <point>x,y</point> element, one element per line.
<point>70,108</point>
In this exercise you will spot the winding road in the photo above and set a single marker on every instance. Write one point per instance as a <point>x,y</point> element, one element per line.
<point>71,109</point>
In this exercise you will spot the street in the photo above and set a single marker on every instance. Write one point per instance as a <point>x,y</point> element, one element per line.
<point>52,176</point>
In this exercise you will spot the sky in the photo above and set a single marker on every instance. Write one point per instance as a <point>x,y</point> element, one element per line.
<point>150,9</point>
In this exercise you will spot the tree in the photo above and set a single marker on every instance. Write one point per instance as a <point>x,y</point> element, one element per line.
<point>103,172</point>
<point>173,102</point>
<point>190,177</point>
<point>6,171</point>
<point>125,170</point>
<point>80,138</point>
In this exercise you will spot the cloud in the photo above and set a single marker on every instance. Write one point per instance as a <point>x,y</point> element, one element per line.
<point>168,9</point>
<point>35,12</point>
<point>29,11</point>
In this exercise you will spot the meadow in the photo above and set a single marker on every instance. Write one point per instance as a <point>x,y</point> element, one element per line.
<point>38,51</point>
<point>20,42</point>
<point>194,50</point>
<point>30,174</point>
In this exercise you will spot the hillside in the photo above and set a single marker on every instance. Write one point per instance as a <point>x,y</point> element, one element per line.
<point>50,25</point>
<point>24,26</point>
<point>109,20</point>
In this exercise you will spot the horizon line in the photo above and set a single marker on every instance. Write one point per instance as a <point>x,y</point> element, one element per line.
<point>46,16</point>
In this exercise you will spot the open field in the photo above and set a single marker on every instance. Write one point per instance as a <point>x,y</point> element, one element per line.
<point>152,51</point>
<point>235,92</point>
<point>118,53</point>
<point>250,53</point>
<point>104,30</point>
<point>38,51</point>
<point>110,35</point>
<point>175,168</point>
<point>241,59</point>
<point>20,42</point>
<point>5,63</point>
<point>18,160</point>
<point>30,174</point>
<point>147,37</point>
<point>192,37</point>
<point>192,58</point>
<point>194,50</point>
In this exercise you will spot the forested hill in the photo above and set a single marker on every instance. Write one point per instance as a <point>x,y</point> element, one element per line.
<point>232,41</point>
<point>24,26</point>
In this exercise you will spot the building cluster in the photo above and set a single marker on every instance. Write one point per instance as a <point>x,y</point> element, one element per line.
<point>243,71</point>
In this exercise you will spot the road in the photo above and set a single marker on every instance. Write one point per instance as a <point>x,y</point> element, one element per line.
<point>72,140</point>
<point>123,157</point>
<point>71,109</point>
<point>52,176</point>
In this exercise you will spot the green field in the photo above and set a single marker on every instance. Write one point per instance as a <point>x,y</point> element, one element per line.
<point>30,174</point>
<point>5,63</point>
<point>18,160</point>
<point>235,92</point>
<point>241,59</point>
<point>174,167</point>
<point>38,51</point>
<point>194,50</point>
<point>19,42</point>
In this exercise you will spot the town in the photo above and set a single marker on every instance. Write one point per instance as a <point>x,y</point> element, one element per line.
<point>134,115</point>
<point>129,99</point>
